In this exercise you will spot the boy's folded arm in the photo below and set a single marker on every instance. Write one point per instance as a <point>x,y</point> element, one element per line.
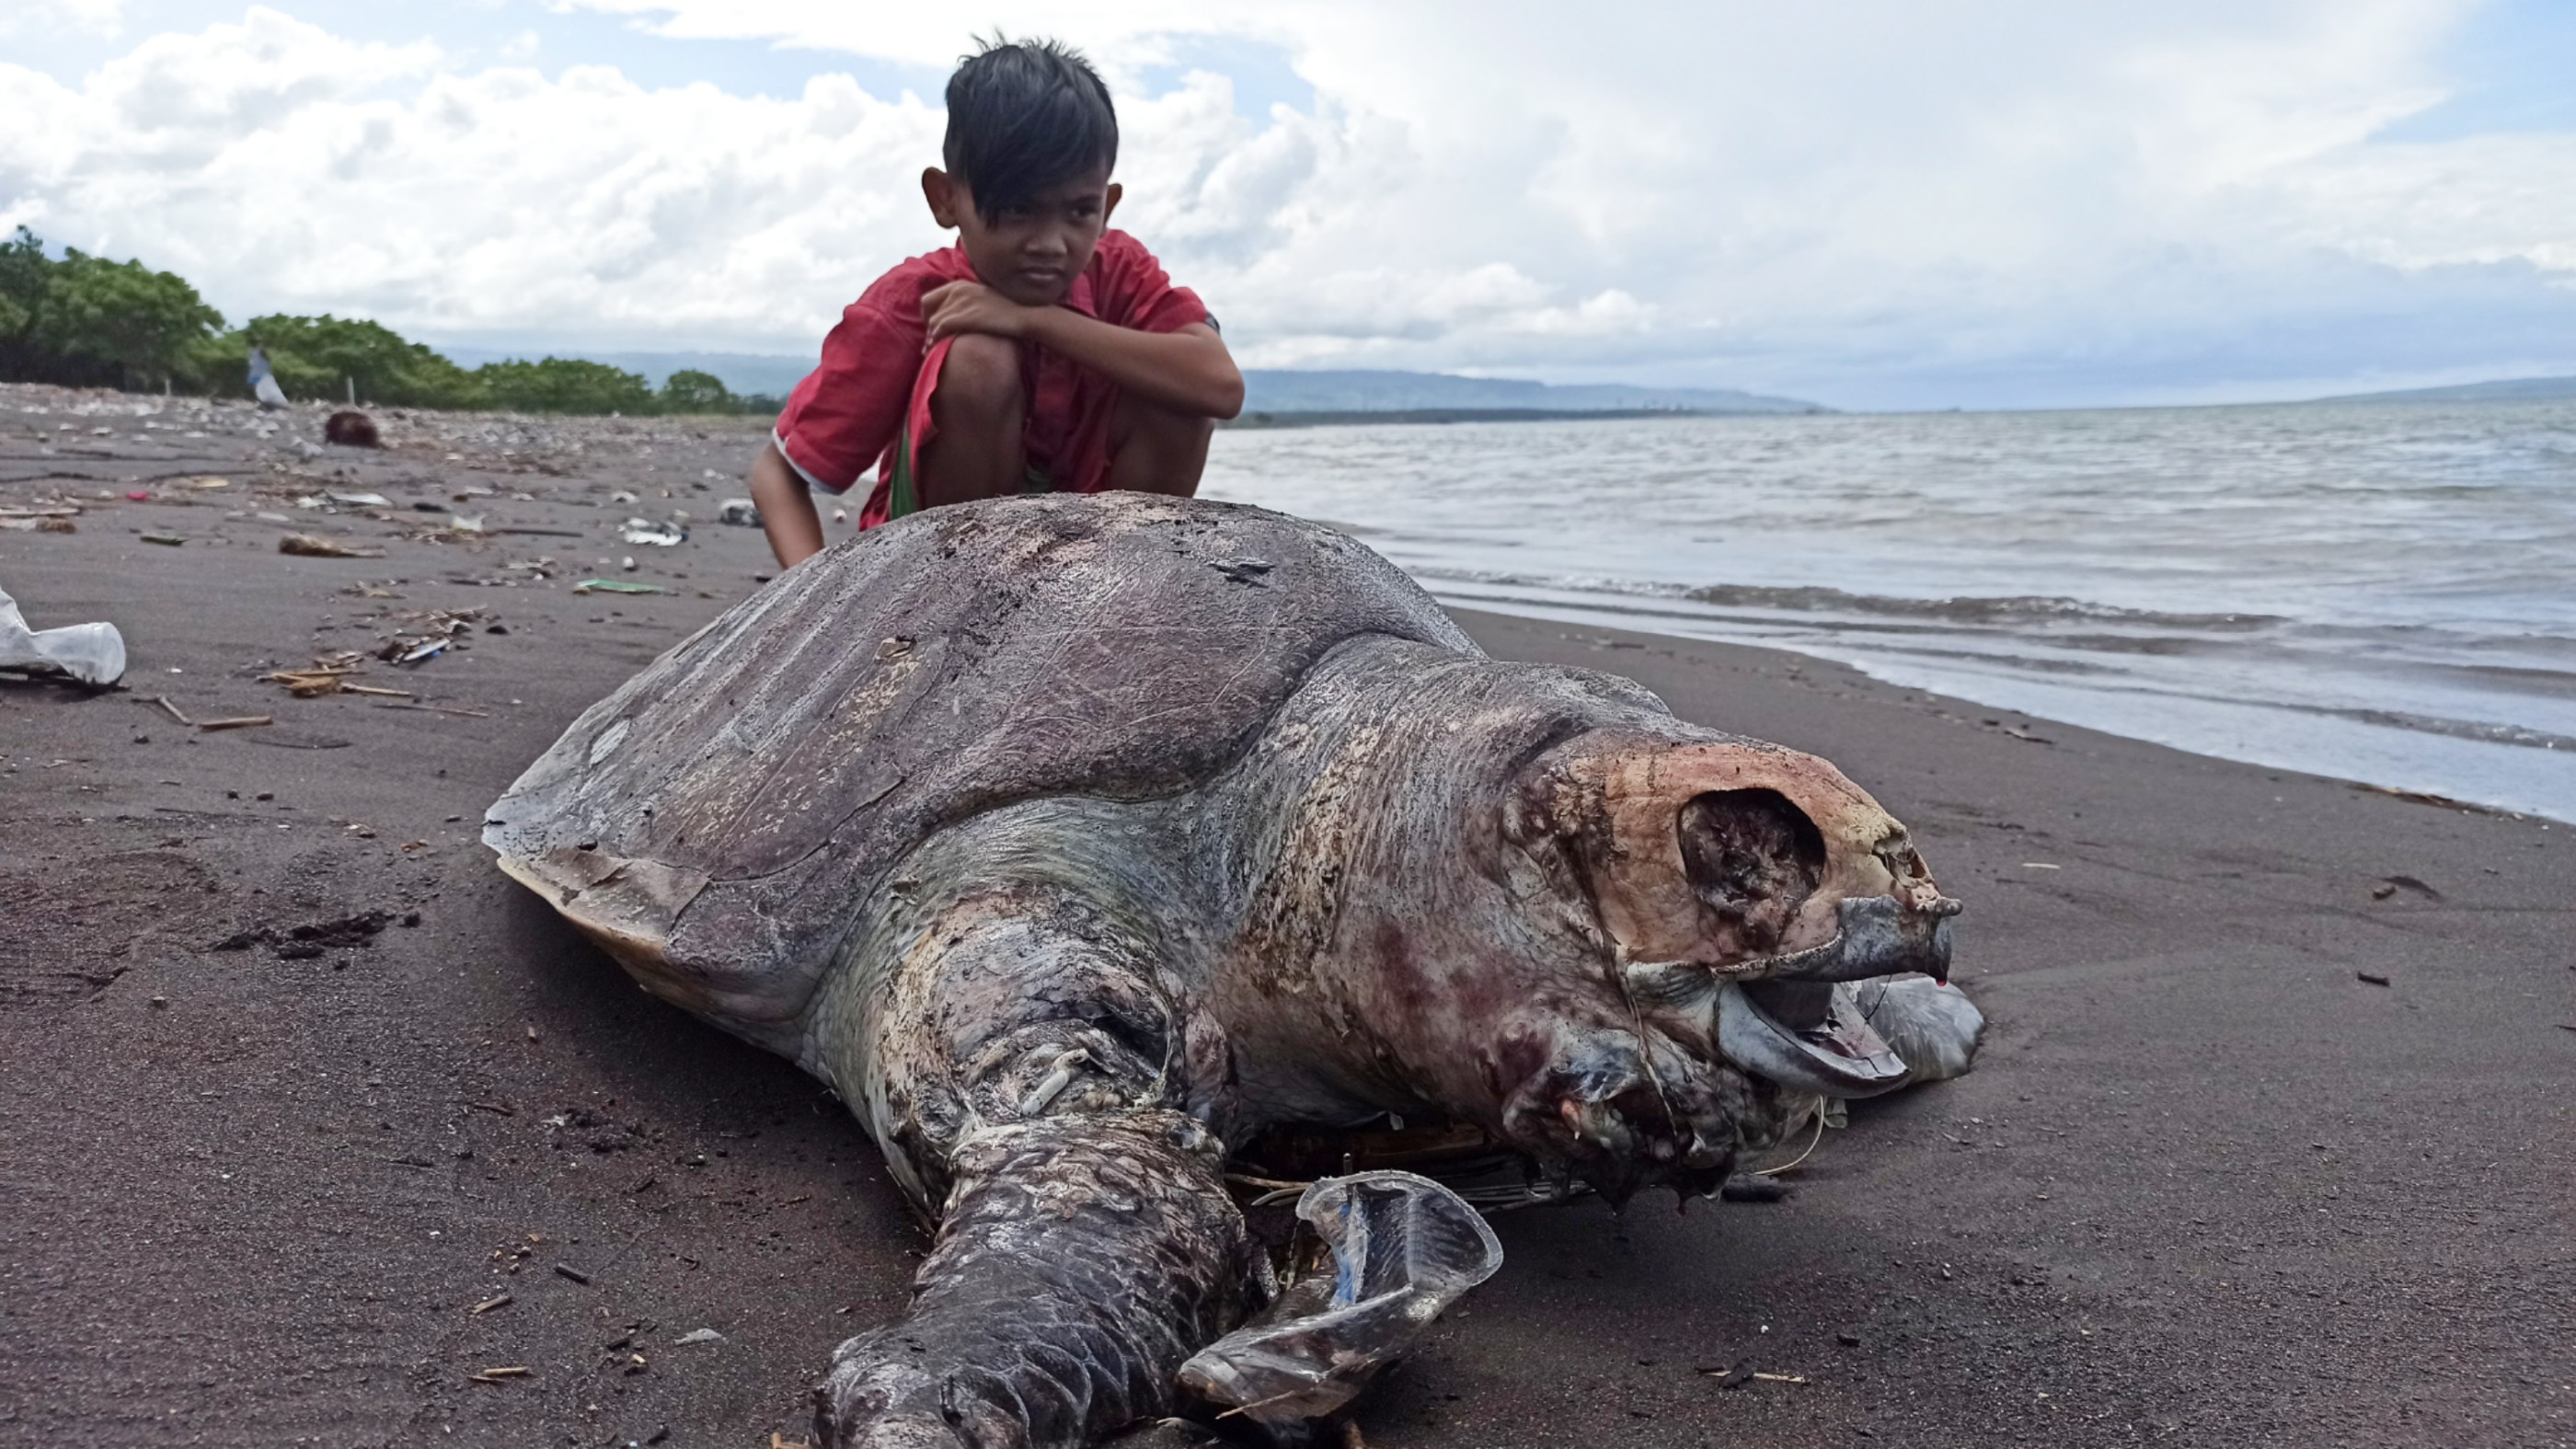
<point>1188,371</point>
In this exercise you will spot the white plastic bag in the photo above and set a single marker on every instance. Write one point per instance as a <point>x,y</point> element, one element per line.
<point>90,653</point>
<point>1932,1025</point>
<point>1403,1247</point>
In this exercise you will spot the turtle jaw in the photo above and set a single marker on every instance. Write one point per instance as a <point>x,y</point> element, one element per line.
<point>1735,886</point>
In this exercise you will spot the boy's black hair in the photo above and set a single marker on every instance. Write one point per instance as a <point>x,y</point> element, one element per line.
<point>1024,116</point>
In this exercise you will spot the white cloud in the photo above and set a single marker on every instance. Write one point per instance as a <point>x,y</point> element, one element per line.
<point>1878,201</point>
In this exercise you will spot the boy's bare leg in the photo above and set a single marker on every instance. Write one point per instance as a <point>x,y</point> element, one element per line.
<point>1157,450</point>
<point>978,414</point>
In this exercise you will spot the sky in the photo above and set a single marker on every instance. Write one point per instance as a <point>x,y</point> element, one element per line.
<point>1869,203</point>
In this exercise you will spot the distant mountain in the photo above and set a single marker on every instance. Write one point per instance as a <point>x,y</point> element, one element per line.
<point>1265,391</point>
<point>1421,392</point>
<point>2521,389</point>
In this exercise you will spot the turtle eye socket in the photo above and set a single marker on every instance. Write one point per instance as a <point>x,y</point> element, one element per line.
<point>1752,859</point>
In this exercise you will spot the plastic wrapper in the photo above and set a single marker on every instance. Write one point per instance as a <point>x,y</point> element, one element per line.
<point>1403,1248</point>
<point>90,653</point>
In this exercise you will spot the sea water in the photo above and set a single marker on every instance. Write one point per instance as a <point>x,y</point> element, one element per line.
<point>2383,592</point>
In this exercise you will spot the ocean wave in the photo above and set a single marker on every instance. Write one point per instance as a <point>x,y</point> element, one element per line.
<point>2011,609</point>
<point>2007,610</point>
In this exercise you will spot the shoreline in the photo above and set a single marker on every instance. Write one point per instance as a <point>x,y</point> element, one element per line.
<point>1590,617</point>
<point>2236,1124</point>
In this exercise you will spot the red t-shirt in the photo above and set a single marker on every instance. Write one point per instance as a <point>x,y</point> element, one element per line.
<point>878,370</point>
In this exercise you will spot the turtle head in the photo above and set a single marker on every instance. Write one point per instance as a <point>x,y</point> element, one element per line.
<point>1709,894</point>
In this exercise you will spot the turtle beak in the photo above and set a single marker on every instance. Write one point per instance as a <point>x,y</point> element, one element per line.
<point>1878,936</point>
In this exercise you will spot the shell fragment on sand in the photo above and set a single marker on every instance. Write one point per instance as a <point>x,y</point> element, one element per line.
<point>305,545</point>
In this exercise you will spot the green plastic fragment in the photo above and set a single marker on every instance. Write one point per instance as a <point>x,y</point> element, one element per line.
<point>616,586</point>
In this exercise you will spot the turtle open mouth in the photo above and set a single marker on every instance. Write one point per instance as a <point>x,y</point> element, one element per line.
<point>1800,1020</point>
<point>1809,1036</point>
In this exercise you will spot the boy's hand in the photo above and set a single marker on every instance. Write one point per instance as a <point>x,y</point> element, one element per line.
<point>960,307</point>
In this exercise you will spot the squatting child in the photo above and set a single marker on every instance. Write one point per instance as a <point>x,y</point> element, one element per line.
<point>1041,352</point>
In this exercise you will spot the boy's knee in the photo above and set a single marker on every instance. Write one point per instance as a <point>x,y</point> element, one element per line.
<point>981,374</point>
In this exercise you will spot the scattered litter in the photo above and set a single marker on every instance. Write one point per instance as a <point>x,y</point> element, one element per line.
<point>621,496</point>
<point>700,1335</point>
<point>462,524</point>
<point>502,1375</point>
<point>238,722</point>
<point>350,428</point>
<point>645,530</point>
<point>627,563</point>
<point>305,545</point>
<point>300,943</point>
<point>166,540</point>
<point>205,483</point>
<point>487,1305</point>
<point>426,506</point>
<point>138,495</point>
<point>429,634</point>
<point>90,653</point>
<point>739,512</point>
<point>616,586</point>
<point>2039,865</point>
<point>324,679</point>
<point>575,1274</point>
<point>360,500</point>
<point>1760,1377</point>
<point>2372,978</point>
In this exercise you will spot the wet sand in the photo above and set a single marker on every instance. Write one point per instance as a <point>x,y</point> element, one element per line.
<point>2209,1185</point>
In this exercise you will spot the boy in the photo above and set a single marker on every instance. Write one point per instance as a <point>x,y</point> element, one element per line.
<point>1042,352</point>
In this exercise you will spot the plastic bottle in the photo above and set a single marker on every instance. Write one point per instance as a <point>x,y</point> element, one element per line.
<point>90,653</point>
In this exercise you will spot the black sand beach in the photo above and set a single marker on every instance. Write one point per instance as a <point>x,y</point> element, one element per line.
<point>2272,1143</point>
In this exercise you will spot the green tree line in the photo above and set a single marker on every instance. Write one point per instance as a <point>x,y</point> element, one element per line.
<point>84,321</point>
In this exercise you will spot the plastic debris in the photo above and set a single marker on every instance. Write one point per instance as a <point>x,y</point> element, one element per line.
<point>1931,1025</point>
<point>616,586</point>
<point>645,530</point>
<point>90,653</point>
<point>700,1335</point>
<point>1403,1248</point>
<point>739,512</point>
<point>360,500</point>
<point>166,540</point>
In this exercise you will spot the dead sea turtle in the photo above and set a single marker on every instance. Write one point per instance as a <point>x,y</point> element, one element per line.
<point>1077,841</point>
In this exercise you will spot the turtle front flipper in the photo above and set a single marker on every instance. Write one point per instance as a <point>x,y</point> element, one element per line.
<point>1082,1260</point>
<point>1020,1065</point>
